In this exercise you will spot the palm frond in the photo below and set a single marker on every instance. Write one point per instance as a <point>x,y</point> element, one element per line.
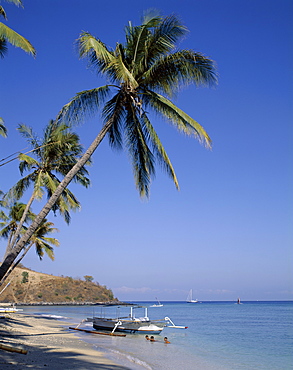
<point>160,151</point>
<point>29,135</point>
<point>114,112</point>
<point>84,104</point>
<point>95,50</point>
<point>3,216</point>
<point>5,231</point>
<point>137,39</point>
<point>39,182</point>
<point>164,38</point>
<point>27,162</point>
<point>184,67</point>
<point>119,72</point>
<point>16,192</point>
<point>3,129</point>
<point>43,246</point>
<point>140,154</point>
<point>2,12</point>
<point>178,117</point>
<point>3,47</point>
<point>16,39</point>
<point>15,2</point>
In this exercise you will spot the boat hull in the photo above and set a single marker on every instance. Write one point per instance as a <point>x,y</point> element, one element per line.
<point>128,326</point>
<point>9,310</point>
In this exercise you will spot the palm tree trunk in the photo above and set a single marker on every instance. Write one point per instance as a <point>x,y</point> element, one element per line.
<point>10,258</point>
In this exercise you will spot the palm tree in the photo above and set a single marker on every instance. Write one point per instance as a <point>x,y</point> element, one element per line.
<point>12,225</point>
<point>8,35</point>
<point>9,223</point>
<point>55,154</point>
<point>143,73</point>
<point>42,243</point>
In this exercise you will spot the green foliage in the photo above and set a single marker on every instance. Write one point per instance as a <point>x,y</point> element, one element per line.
<point>25,277</point>
<point>144,73</point>
<point>53,156</point>
<point>88,278</point>
<point>3,129</point>
<point>8,35</point>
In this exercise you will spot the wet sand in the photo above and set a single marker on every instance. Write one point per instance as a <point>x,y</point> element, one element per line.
<point>48,345</point>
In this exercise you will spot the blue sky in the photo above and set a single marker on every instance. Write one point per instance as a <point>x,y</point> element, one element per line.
<point>228,231</point>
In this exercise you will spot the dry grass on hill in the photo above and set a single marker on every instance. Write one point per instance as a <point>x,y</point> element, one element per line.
<point>28,286</point>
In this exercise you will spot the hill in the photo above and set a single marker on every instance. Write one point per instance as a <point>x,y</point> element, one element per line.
<point>29,287</point>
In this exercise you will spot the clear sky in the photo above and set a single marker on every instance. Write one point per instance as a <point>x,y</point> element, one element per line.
<point>228,231</point>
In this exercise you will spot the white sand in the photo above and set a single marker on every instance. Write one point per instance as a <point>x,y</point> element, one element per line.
<point>48,345</point>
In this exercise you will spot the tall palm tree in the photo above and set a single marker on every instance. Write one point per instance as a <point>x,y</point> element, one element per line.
<point>54,155</point>
<point>8,35</point>
<point>143,73</point>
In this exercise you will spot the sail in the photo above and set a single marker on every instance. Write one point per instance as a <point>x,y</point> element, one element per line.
<point>189,298</point>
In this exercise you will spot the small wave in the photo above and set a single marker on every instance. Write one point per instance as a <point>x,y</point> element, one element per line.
<point>52,316</point>
<point>127,357</point>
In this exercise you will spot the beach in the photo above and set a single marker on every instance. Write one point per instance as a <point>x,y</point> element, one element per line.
<point>47,344</point>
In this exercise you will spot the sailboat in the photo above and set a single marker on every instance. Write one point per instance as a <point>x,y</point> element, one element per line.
<point>189,298</point>
<point>159,304</point>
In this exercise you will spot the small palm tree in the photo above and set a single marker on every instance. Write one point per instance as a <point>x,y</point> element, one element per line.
<point>40,240</point>
<point>143,73</point>
<point>54,154</point>
<point>8,35</point>
<point>9,223</point>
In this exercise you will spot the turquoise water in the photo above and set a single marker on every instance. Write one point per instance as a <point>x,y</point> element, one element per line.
<point>220,336</point>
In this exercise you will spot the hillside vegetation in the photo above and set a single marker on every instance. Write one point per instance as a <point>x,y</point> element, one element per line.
<point>29,287</point>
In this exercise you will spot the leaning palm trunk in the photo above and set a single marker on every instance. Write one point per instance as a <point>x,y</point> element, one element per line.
<point>19,246</point>
<point>143,72</point>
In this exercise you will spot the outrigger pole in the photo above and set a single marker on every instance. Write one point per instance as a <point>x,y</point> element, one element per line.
<point>173,325</point>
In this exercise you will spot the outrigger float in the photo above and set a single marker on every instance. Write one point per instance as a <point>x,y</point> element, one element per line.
<point>129,324</point>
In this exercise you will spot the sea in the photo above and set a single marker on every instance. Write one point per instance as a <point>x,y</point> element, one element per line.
<point>220,335</point>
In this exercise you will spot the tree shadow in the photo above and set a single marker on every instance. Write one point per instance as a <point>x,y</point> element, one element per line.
<point>41,356</point>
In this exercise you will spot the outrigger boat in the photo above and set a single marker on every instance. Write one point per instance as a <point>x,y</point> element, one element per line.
<point>12,309</point>
<point>132,324</point>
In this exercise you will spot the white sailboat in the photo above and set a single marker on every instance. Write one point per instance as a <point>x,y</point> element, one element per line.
<point>159,304</point>
<point>189,298</point>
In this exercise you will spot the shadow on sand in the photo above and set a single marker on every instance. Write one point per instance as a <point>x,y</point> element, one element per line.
<point>40,356</point>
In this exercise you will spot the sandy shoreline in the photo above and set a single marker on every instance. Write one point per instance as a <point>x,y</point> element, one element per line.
<point>48,344</point>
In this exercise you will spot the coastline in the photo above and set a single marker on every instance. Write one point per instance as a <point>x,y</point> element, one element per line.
<point>48,344</point>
